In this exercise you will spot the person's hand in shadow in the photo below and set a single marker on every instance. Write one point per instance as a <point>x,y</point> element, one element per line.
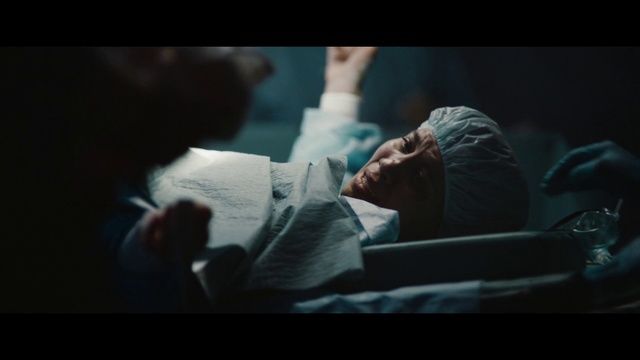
<point>600,166</point>
<point>163,245</point>
<point>176,233</point>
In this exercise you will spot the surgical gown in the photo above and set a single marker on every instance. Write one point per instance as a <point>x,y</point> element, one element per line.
<point>325,133</point>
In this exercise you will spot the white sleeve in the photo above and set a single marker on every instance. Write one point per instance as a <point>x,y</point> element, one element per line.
<point>334,129</point>
<point>340,103</point>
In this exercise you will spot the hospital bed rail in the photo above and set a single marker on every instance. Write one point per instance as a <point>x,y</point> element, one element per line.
<point>481,257</point>
<point>486,257</point>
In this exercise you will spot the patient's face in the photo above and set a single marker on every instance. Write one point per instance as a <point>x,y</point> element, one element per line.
<point>405,174</point>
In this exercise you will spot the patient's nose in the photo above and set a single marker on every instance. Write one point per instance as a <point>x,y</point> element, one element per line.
<point>397,168</point>
<point>390,169</point>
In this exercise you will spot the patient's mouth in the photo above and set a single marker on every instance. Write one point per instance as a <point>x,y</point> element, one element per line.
<point>371,181</point>
<point>365,185</point>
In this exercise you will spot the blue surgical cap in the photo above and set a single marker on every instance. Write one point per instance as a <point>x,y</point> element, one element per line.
<point>485,191</point>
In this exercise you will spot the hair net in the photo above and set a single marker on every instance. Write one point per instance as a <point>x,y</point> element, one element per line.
<point>485,190</point>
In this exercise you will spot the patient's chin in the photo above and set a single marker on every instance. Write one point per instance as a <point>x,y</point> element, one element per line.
<point>352,190</point>
<point>347,190</point>
<point>356,189</point>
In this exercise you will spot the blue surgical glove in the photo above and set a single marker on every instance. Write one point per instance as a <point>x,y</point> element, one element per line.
<point>616,282</point>
<point>604,166</point>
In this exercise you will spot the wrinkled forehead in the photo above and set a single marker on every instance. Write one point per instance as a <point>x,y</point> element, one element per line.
<point>427,145</point>
<point>425,140</point>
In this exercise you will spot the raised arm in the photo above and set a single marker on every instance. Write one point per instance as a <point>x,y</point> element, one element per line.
<point>333,128</point>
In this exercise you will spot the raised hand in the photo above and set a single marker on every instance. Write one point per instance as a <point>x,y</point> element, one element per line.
<point>346,68</point>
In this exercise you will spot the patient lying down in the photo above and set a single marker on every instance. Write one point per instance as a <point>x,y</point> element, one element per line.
<point>454,175</point>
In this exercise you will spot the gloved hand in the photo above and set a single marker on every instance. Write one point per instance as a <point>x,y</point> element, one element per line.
<point>615,283</point>
<point>604,166</point>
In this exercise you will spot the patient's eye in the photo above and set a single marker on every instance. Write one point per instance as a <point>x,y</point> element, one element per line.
<point>406,145</point>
